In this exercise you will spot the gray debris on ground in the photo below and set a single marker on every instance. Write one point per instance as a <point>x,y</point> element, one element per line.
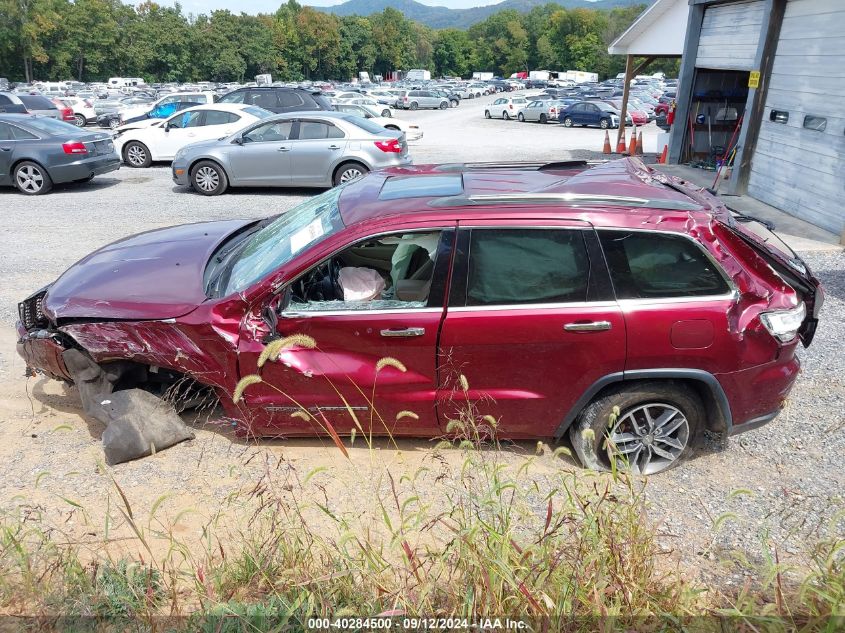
<point>140,424</point>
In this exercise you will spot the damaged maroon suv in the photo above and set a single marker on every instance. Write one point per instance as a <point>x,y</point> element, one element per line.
<point>570,297</point>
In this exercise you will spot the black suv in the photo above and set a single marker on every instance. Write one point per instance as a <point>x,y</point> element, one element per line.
<point>279,99</point>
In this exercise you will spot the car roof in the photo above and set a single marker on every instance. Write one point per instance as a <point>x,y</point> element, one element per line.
<point>623,192</point>
<point>327,114</point>
<point>227,107</point>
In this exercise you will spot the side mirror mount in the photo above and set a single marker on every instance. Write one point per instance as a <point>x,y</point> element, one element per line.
<point>167,126</point>
<point>238,140</point>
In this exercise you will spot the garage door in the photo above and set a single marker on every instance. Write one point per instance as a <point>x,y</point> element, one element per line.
<point>797,163</point>
<point>729,36</point>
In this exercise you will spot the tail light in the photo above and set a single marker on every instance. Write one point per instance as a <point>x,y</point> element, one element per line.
<point>74,147</point>
<point>67,114</point>
<point>510,106</point>
<point>390,147</point>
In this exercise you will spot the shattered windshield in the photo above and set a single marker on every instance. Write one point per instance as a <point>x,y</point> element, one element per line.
<point>278,242</point>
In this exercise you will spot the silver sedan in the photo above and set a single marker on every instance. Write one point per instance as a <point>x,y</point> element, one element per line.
<point>298,149</point>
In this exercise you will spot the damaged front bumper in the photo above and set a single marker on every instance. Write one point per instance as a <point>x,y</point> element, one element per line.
<point>42,351</point>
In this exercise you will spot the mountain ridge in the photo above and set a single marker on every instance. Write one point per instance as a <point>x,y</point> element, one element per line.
<point>442,17</point>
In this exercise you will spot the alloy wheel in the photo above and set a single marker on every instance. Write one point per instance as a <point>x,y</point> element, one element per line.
<point>136,155</point>
<point>207,178</point>
<point>30,179</point>
<point>649,438</point>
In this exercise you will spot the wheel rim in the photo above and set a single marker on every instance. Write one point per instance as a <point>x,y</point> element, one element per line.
<point>30,179</point>
<point>521,118</point>
<point>350,173</point>
<point>505,115</point>
<point>80,121</point>
<point>113,123</point>
<point>649,438</point>
<point>603,124</point>
<point>207,178</point>
<point>568,122</point>
<point>486,115</point>
<point>136,155</point>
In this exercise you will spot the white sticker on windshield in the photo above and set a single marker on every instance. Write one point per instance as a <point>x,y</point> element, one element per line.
<point>304,237</point>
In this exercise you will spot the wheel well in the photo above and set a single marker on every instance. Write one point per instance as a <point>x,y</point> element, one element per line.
<point>392,127</point>
<point>126,146</point>
<point>717,415</point>
<point>210,160</point>
<point>348,162</point>
<point>27,160</point>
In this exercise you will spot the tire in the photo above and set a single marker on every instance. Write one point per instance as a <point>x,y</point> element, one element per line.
<point>386,114</point>
<point>487,114</point>
<point>208,178</point>
<point>506,116</point>
<point>567,122</point>
<point>114,124</point>
<point>544,118</point>
<point>444,105</point>
<point>676,404</point>
<point>604,124</point>
<point>454,103</point>
<point>349,171</point>
<point>137,155</point>
<point>79,120</point>
<point>32,179</point>
<point>520,117</point>
<point>414,105</point>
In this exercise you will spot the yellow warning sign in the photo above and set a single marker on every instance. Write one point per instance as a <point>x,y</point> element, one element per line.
<point>754,79</point>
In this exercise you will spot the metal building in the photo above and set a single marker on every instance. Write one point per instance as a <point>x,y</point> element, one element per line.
<point>764,81</point>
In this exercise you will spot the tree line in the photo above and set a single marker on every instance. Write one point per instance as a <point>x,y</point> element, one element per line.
<point>91,40</point>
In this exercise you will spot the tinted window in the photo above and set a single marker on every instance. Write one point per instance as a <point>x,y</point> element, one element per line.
<point>312,130</point>
<point>52,126</point>
<point>647,265</point>
<point>525,266</point>
<point>263,99</point>
<point>5,132</point>
<point>278,131</point>
<point>233,97</point>
<point>216,117</point>
<point>20,134</point>
<point>4,100</point>
<point>289,99</point>
<point>37,102</point>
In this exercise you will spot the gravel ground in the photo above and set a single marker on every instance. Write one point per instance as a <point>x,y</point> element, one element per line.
<point>791,468</point>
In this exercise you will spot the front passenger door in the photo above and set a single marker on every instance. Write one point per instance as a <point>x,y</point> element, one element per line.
<point>7,149</point>
<point>263,156</point>
<point>531,323</point>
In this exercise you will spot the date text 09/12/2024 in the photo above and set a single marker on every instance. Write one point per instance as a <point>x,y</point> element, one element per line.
<point>416,624</point>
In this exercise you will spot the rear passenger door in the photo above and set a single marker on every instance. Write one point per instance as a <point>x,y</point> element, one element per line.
<point>676,301</point>
<point>314,152</point>
<point>7,149</point>
<point>531,323</point>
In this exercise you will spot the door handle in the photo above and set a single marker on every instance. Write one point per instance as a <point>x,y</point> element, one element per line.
<point>406,333</point>
<point>284,149</point>
<point>334,146</point>
<point>6,149</point>
<point>587,326</point>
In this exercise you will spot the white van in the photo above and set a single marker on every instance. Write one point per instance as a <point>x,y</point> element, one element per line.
<point>125,82</point>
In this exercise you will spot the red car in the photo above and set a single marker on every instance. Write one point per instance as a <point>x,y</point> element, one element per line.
<point>558,291</point>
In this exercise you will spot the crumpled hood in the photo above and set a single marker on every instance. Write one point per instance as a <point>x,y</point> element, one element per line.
<point>152,275</point>
<point>138,125</point>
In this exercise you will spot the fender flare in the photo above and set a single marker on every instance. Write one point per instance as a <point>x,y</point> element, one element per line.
<point>708,380</point>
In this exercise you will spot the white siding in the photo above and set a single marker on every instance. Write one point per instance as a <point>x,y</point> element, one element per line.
<point>729,37</point>
<point>797,170</point>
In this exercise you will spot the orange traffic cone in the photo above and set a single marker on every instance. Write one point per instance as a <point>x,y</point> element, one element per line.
<point>620,146</point>
<point>606,148</point>
<point>662,158</point>
<point>640,144</point>
<point>632,146</point>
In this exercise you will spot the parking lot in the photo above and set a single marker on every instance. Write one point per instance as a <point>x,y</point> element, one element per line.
<point>790,468</point>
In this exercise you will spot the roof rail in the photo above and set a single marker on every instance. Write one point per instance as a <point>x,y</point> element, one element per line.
<point>572,199</point>
<point>538,166</point>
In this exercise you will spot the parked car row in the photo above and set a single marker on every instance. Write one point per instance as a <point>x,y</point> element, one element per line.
<point>212,147</point>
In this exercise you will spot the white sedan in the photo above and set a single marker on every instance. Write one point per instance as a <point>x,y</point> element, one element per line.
<point>412,130</point>
<point>143,142</point>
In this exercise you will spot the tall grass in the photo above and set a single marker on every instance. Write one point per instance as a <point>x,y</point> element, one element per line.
<point>477,535</point>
